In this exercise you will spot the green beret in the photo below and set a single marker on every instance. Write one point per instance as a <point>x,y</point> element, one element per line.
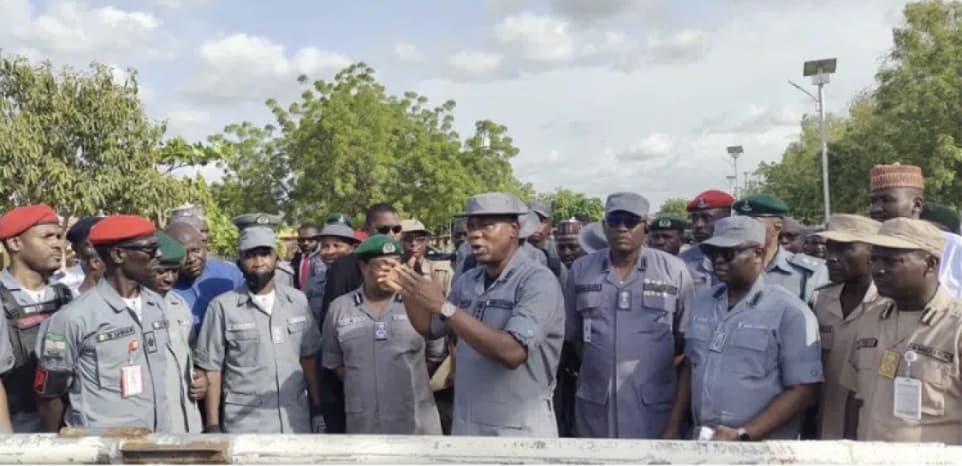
<point>337,217</point>
<point>377,246</point>
<point>761,205</point>
<point>171,251</point>
<point>942,215</point>
<point>668,222</point>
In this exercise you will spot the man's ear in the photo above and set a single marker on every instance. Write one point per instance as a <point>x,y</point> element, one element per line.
<point>778,225</point>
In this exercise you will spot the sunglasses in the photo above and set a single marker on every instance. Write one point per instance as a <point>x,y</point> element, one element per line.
<point>726,254</point>
<point>617,219</point>
<point>389,229</point>
<point>148,249</point>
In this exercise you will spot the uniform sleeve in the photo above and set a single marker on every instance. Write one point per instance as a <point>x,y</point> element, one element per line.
<point>573,324</point>
<point>800,354</point>
<point>311,343</point>
<point>58,344</point>
<point>210,349</point>
<point>686,294</point>
<point>436,350</point>
<point>438,328</point>
<point>331,355</point>
<point>538,298</point>
<point>7,357</point>
<point>315,297</point>
<point>819,277</point>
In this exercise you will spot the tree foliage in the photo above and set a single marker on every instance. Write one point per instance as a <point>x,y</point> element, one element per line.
<point>674,206</point>
<point>565,203</point>
<point>346,144</point>
<point>80,141</point>
<point>912,116</point>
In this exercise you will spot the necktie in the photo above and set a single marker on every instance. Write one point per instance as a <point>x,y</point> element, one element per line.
<point>305,270</point>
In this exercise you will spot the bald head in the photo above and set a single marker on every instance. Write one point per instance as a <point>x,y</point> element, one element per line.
<point>193,241</point>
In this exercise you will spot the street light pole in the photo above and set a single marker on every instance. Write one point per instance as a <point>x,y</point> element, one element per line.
<point>819,71</point>
<point>734,152</point>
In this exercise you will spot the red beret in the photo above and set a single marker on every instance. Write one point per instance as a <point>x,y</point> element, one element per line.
<point>119,228</point>
<point>711,199</point>
<point>24,218</point>
<point>360,235</point>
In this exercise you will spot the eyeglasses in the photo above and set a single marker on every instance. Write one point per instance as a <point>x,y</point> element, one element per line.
<point>617,219</point>
<point>148,249</point>
<point>727,254</point>
<point>389,229</point>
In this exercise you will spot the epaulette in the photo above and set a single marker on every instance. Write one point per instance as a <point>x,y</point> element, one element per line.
<point>358,299</point>
<point>397,298</point>
<point>806,262</point>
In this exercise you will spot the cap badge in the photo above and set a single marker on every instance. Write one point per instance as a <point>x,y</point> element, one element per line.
<point>388,248</point>
<point>262,220</point>
<point>746,207</point>
<point>664,223</point>
<point>701,203</point>
<point>341,219</point>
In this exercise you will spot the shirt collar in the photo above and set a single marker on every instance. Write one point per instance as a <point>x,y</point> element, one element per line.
<point>244,294</point>
<point>8,281</point>
<point>113,299</point>
<point>780,261</point>
<point>641,264</point>
<point>753,296</point>
<point>941,301</point>
<point>518,258</point>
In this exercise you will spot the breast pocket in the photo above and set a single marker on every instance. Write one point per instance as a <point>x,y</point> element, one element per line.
<point>658,312</point>
<point>111,356</point>
<point>935,376</point>
<point>697,340</point>
<point>403,336</point>
<point>243,346</point>
<point>748,352</point>
<point>496,312</point>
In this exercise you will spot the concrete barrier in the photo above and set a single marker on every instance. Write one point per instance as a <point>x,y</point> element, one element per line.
<point>319,449</point>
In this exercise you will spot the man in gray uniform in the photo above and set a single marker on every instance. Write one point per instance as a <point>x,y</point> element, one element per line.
<point>31,235</point>
<point>703,211</point>
<point>752,351</point>
<point>107,349</point>
<point>185,383</point>
<point>370,343</point>
<point>797,273</point>
<point>258,345</point>
<point>508,316</point>
<point>625,311</point>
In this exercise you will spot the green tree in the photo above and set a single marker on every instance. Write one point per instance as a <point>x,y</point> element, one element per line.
<point>80,142</point>
<point>912,116</point>
<point>674,206</point>
<point>566,203</point>
<point>347,144</point>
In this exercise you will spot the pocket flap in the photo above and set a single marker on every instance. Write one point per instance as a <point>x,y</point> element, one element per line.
<point>588,300</point>
<point>652,394</point>
<point>751,338</point>
<point>594,392</point>
<point>498,415</point>
<point>242,399</point>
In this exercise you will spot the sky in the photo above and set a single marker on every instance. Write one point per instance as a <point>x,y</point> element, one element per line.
<point>599,95</point>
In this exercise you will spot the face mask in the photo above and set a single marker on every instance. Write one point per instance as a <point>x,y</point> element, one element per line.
<point>256,281</point>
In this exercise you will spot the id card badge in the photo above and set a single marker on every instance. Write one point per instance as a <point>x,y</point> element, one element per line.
<point>889,365</point>
<point>586,330</point>
<point>380,331</point>
<point>131,381</point>
<point>624,300</point>
<point>908,399</point>
<point>718,343</point>
<point>277,334</point>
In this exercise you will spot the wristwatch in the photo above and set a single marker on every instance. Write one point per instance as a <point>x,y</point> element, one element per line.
<point>743,435</point>
<point>448,310</point>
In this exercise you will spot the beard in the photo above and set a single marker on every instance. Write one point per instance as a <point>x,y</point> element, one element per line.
<point>256,281</point>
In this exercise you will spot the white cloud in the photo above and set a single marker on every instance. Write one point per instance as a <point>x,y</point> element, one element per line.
<point>183,120</point>
<point>588,11</point>
<point>241,68</point>
<point>537,37</point>
<point>175,4</point>
<point>408,52</point>
<point>654,146</point>
<point>477,66</point>
<point>70,30</point>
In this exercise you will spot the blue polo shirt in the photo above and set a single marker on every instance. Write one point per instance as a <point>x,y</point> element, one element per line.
<point>218,277</point>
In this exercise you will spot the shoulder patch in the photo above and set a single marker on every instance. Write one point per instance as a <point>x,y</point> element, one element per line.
<point>54,345</point>
<point>587,288</point>
<point>806,262</point>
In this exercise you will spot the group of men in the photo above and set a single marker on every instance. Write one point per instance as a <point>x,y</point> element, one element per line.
<point>602,329</point>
